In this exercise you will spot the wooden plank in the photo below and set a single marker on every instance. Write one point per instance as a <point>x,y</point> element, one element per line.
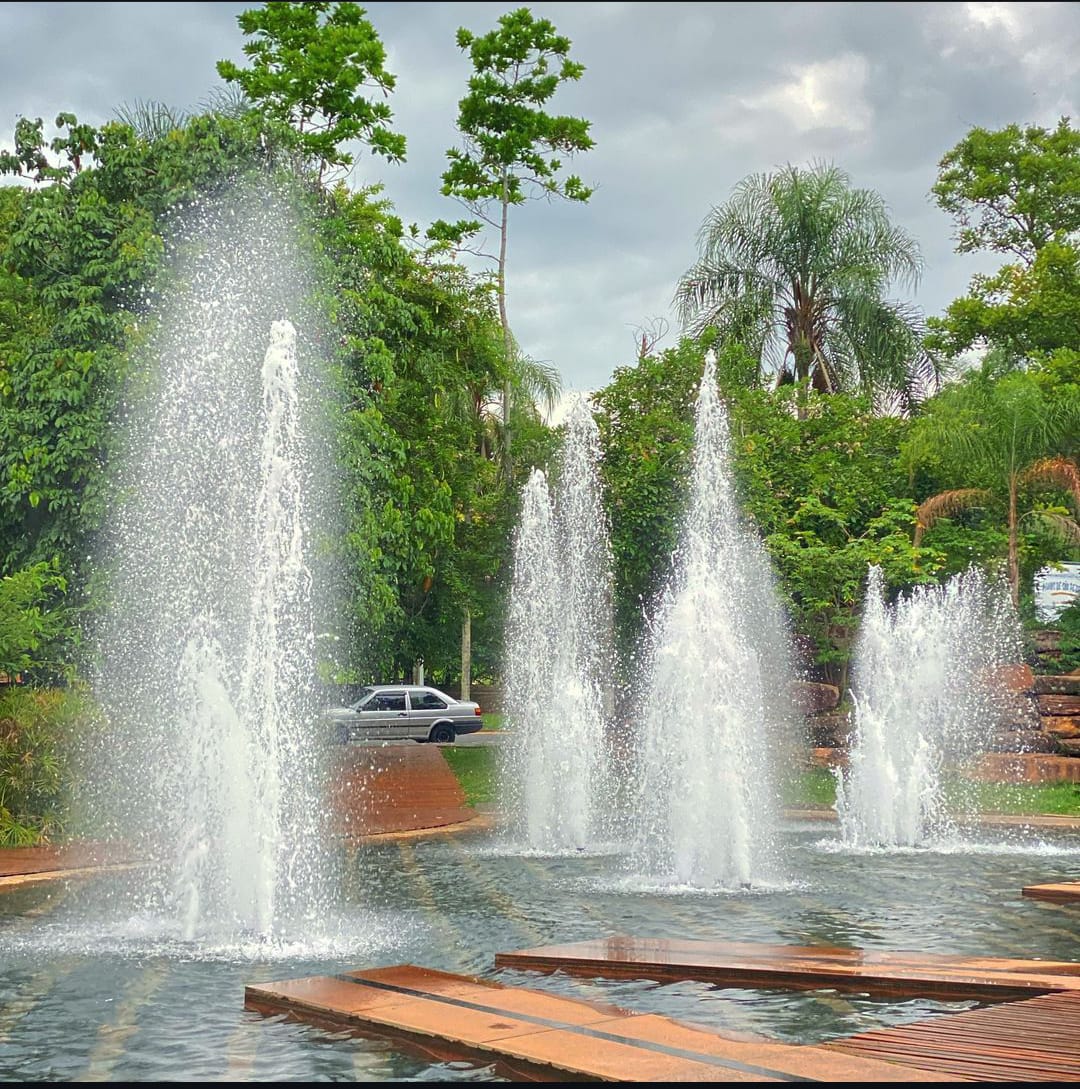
<point>748,964</point>
<point>1037,1039</point>
<point>1066,892</point>
<point>549,1036</point>
<point>49,858</point>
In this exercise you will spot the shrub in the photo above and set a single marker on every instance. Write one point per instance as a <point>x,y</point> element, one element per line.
<point>38,728</point>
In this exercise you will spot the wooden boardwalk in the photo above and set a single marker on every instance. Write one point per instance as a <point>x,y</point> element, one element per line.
<point>1066,892</point>
<point>537,1036</point>
<point>1037,1039</point>
<point>784,967</point>
<point>26,865</point>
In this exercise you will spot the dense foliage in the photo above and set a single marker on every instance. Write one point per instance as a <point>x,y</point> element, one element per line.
<point>849,455</point>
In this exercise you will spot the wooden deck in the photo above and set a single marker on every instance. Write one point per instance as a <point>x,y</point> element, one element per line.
<point>546,1037</point>
<point>1037,1039</point>
<point>26,865</point>
<point>784,967</point>
<point>1066,892</point>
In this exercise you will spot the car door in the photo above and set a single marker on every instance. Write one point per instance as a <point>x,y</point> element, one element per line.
<point>384,716</point>
<point>425,709</point>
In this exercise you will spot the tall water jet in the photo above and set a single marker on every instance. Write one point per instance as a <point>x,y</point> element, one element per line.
<point>719,688</point>
<point>924,703</point>
<point>207,652</point>
<point>558,656</point>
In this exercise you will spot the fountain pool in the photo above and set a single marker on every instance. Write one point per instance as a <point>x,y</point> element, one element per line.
<point>95,1001</point>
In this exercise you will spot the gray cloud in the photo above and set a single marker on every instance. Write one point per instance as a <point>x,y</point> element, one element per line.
<point>685,99</point>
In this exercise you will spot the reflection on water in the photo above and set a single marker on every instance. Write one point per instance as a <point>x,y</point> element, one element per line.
<point>85,994</point>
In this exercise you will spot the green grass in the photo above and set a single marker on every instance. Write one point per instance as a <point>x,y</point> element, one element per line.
<point>1031,798</point>
<point>492,720</point>
<point>476,769</point>
<point>817,787</point>
<point>812,788</point>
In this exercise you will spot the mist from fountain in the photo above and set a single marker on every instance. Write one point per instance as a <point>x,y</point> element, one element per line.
<point>557,766</point>
<point>212,766</point>
<point>923,705</point>
<point>718,697</point>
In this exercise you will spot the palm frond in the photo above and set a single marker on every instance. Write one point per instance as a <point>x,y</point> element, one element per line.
<point>539,381</point>
<point>1061,472</point>
<point>945,505</point>
<point>1061,526</point>
<point>789,260</point>
<point>151,120</point>
<point>226,101</point>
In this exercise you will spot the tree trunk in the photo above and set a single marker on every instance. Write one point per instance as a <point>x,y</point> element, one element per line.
<point>466,654</point>
<point>1014,549</point>
<point>507,338</point>
<point>801,359</point>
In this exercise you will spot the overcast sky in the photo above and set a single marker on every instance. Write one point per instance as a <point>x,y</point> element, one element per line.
<point>684,99</point>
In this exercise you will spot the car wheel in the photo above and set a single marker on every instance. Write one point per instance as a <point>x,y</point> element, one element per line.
<point>443,734</point>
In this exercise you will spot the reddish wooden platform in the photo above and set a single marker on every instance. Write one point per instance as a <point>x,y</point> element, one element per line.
<point>1034,1040</point>
<point>49,860</point>
<point>547,1037</point>
<point>784,967</point>
<point>399,787</point>
<point>1066,892</point>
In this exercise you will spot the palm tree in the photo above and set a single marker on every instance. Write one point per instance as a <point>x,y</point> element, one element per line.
<point>1003,431</point>
<point>796,267</point>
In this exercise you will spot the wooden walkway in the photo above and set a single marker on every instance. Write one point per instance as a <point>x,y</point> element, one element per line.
<point>546,1037</point>
<point>24,865</point>
<point>784,967</point>
<point>1067,892</point>
<point>1034,1040</point>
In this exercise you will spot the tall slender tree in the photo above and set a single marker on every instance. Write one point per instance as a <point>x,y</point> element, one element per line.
<point>796,266</point>
<point>513,150</point>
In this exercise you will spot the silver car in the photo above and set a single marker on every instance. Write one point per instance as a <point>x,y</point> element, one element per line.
<point>388,712</point>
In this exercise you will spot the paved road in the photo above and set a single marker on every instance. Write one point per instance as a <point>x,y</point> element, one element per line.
<point>481,737</point>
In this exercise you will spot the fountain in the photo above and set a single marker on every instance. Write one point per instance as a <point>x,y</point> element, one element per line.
<point>922,705</point>
<point>558,661</point>
<point>718,693</point>
<point>211,768</point>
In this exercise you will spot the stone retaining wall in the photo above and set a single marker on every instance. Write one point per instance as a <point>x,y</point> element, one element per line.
<point>1034,735</point>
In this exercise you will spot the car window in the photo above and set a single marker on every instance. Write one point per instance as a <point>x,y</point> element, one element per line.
<point>426,701</point>
<point>361,697</point>
<point>386,701</point>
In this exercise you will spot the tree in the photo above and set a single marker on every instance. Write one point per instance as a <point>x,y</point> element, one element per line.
<point>825,491</point>
<point>1024,312</point>
<point>513,149</point>
<point>34,626</point>
<point>309,62</point>
<point>1014,191</point>
<point>646,420</point>
<point>796,266</point>
<point>77,252</point>
<point>419,349</point>
<point>995,435</point>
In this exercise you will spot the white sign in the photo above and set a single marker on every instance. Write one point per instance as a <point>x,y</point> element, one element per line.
<point>1056,588</point>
